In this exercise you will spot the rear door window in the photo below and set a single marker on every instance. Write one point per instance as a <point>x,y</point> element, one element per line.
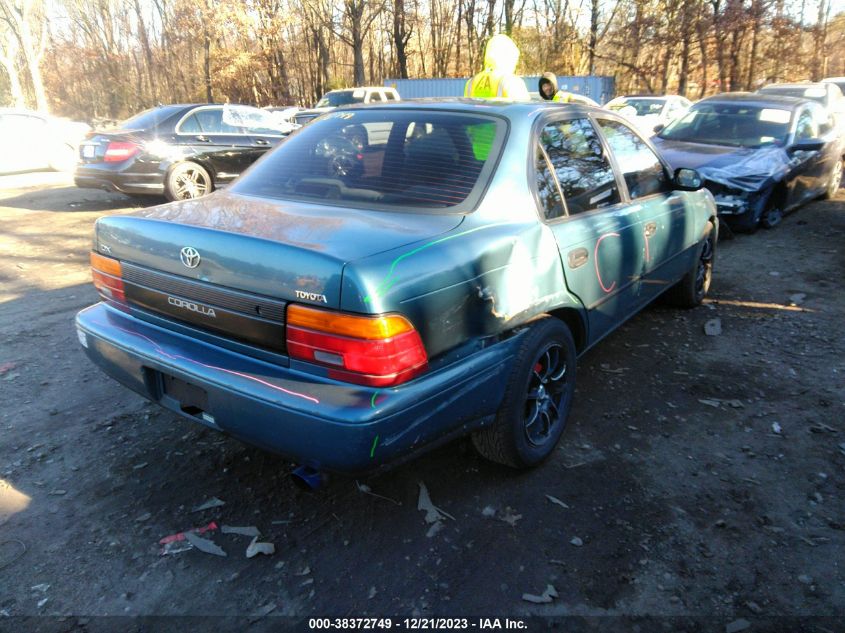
<point>643,172</point>
<point>551,202</point>
<point>208,121</point>
<point>396,159</point>
<point>191,125</point>
<point>583,171</point>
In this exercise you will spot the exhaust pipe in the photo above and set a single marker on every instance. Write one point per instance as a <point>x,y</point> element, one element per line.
<point>308,478</point>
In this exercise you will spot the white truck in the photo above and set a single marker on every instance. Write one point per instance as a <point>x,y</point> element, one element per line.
<point>347,96</point>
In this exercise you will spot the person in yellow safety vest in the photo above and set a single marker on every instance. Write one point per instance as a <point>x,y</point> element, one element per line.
<point>547,87</point>
<point>498,79</point>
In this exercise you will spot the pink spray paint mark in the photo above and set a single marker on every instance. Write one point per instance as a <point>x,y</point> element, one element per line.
<point>596,263</point>
<point>223,369</point>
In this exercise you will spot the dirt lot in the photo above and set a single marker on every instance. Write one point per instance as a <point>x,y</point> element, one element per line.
<point>702,475</point>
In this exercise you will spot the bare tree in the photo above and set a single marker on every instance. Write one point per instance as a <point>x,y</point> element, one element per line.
<point>26,20</point>
<point>358,17</point>
<point>8,58</point>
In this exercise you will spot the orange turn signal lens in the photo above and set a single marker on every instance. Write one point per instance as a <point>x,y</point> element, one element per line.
<point>363,327</point>
<point>106,265</point>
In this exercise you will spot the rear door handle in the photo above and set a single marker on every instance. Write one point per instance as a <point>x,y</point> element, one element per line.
<point>650,229</point>
<point>203,139</point>
<point>261,141</point>
<point>577,257</point>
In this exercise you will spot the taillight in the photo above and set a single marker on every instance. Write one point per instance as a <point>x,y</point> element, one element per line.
<point>369,350</point>
<point>118,151</point>
<point>107,274</point>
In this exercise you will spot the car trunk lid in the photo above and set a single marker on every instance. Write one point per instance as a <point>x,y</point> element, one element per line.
<point>230,263</point>
<point>96,146</point>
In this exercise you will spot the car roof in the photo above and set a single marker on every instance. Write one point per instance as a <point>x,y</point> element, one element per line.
<point>803,84</point>
<point>756,98</point>
<point>502,107</point>
<point>647,97</point>
<point>363,88</point>
<point>43,115</point>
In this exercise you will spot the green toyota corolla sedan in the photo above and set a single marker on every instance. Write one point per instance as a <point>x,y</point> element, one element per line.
<point>392,277</point>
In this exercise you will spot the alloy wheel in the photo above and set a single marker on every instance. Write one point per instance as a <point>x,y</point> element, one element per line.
<point>771,217</point>
<point>544,400</point>
<point>190,183</point>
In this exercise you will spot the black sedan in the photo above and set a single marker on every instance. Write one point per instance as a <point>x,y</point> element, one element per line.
<point>760,155</point>
<point>181,151</point>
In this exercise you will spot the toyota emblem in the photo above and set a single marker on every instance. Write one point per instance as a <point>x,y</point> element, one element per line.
<point>190,256</point>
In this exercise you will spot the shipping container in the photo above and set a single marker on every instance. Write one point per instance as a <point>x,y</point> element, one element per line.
<point>598,88</point>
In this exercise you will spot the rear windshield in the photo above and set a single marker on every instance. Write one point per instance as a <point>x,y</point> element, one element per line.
<point>383,158</point>
<point>815,93</point>
<point>644,107</point>
<point>738,125</point>
<point>341,98</point>
<point>149,119</point>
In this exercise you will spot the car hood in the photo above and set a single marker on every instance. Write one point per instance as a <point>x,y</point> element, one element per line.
<point>315,111</point>
<point>743,168</point>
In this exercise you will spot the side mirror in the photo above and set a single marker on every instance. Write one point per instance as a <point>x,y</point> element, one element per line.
<point>659,128</point>
<point>806,145</point>
<point>688,179</point>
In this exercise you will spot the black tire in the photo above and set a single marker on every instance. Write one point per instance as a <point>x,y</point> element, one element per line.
<point>745,223</point>
<point>537,399</point>
<point>835,181</point>
<point>772,215</point>
<point>691,290</point>
<point>186,181</point>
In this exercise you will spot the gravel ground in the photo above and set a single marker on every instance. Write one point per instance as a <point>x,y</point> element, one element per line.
<point>701,476</point>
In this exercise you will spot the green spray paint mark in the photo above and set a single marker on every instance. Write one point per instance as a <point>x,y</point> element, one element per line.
<point>387,282</point>
<point>373,400</point>
<point>373,449</point>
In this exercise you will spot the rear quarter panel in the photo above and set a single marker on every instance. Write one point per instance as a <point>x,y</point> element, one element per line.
<point>479,280</point>
<point>495,271</point>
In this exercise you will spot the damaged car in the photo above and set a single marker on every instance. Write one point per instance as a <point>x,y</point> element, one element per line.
<point>392,277</point>
<point>760,155</point>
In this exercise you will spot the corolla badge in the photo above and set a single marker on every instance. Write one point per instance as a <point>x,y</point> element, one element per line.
<point>190,256</point>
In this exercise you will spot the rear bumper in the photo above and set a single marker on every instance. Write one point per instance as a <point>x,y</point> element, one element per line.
<point>323,423</point>
<point>134,183</point>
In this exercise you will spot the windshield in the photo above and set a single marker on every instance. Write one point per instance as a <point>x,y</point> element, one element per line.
<point>734,124</point>
<point>340,98</point>
<point>815,93</point>
<point>149,119</point>
<point>644,107</point>
<point>390,159</point>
